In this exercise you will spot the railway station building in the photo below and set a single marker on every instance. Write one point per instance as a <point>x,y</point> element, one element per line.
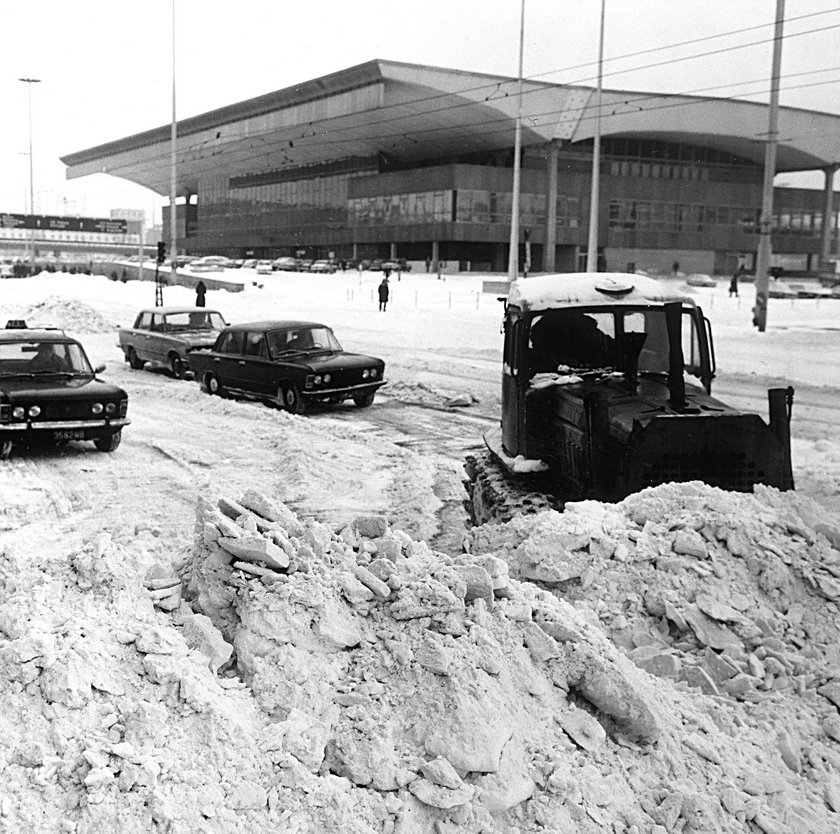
<point>388,159</point>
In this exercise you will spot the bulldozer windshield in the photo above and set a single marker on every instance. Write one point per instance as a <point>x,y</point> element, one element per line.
<point>590,339</point>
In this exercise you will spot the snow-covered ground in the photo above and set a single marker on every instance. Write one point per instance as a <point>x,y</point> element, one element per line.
<point>474,702</point>
<point>440,339</point>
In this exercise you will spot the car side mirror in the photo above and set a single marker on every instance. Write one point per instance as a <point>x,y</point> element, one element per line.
<point>99,368</point>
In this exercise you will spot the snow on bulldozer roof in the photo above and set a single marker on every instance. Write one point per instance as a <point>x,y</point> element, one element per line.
<point>595,289</point>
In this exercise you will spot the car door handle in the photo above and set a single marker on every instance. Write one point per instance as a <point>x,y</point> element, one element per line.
<point>241,361</point>
<point>216,359</point>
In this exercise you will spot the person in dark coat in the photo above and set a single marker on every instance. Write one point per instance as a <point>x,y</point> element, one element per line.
<point>200,292</point>
<point>733,284</point>
<point>384,292</point>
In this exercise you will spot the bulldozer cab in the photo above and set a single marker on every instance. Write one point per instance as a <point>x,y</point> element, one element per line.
<point>565,345</point>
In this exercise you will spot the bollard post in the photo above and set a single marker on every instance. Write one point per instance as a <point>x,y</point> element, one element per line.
<point>450,301</point>
<point>415,298</point>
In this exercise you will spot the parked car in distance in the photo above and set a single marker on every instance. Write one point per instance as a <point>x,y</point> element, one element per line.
<point>210,263</point>
<point>779,289</point>
<point>803,291</point>
<point>285,264</point>
<point>396,265</point>
<point>50,394</point>
<point>324,266</point>
<point>165,336</point>
<point>264,268</point>
<point>304,264</point>
<point>250,263</point>
<point>375,265</point>
<point>699,279</point>
<point>289,364</point>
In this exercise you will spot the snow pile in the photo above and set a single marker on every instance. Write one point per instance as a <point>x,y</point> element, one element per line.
<point>468,701</point>
<point>113,718</point>
<point>306,679</point>
<point>68,314</point>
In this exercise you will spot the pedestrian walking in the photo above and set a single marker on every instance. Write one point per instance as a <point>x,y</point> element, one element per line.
<point>733,284</point>
<point>428,263</point>
<point>384,292</point>
<point>200,292</point>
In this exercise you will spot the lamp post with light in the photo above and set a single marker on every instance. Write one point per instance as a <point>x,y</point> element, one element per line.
<point>29,82</point>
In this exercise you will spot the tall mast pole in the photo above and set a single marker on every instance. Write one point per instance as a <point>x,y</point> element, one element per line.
<point>173,170</point>
<point>513,255</point>
<point>31,237</point>
<point>765,225</point>
<point>594,194</point>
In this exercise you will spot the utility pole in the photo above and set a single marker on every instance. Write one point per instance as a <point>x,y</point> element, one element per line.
<point>173,171</point>
<point>765,223</point>
<point>513,254</point>
<point>595,192</point>
<point>29,82</point>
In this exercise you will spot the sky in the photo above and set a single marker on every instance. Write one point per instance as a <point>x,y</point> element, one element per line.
<point>106,69</point>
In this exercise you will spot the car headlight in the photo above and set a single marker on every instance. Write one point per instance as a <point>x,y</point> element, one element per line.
<point>327,379</point>
<point>373,372</point>
<point>365,373</point>
<point>97,408</point>
<point>18,412</point>
<point>317,379</point>
<point>110,409</point>
<point>34,410</point>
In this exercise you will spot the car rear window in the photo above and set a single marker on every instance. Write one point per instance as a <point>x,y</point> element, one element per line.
<point>232,342</point>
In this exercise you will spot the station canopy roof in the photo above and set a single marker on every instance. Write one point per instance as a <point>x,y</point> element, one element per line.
<point>411,112</point>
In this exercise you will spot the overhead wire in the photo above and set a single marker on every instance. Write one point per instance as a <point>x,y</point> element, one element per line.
<point>496,85</point>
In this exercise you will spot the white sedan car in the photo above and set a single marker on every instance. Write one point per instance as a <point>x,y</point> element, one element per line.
<point>264,268</point>
<point>698,279</point>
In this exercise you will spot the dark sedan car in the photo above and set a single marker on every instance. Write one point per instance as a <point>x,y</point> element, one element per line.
<point>49,393</point>
<point>287,363</point>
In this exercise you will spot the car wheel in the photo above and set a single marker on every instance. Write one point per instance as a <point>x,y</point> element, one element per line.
<point>176,366</point>
<point>292,401</point>
<point>108,443</point>
<point>134,361</point>
<point>365,400</point>
<point>5,449</point>
<point>214,387</point>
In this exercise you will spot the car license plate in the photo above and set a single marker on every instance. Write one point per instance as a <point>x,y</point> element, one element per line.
<point>69,434</point>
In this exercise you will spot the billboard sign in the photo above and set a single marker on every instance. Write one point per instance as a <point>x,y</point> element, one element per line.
<point>54,223</point>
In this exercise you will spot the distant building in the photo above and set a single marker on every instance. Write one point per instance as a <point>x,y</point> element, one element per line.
<point>387,159</point>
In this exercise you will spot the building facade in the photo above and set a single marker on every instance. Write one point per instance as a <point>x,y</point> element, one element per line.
<point>398,160</point>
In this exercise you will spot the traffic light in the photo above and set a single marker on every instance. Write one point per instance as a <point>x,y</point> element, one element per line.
<point>161,255</point>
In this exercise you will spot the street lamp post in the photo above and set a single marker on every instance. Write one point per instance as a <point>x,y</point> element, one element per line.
<point>29,82</point>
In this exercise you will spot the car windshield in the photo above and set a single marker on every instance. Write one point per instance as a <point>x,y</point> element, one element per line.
<point>43,357</point>
<point>194,320</point>
<point>302,340</point>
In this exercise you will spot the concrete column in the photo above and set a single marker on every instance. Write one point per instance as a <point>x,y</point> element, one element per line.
<point>435,255</point>
<point>828,212</point>
<point>393,253</point>
<point>550,238</point>
<point>355,251</point>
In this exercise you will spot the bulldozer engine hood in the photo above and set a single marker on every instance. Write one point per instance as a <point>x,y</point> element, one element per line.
<point>647,441</point>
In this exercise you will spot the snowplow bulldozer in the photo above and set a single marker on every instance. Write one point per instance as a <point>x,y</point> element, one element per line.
<point>596,402</point>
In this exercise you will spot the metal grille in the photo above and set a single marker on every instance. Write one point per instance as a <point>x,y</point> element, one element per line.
<point>734,471</point>
<point>65,410</point>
